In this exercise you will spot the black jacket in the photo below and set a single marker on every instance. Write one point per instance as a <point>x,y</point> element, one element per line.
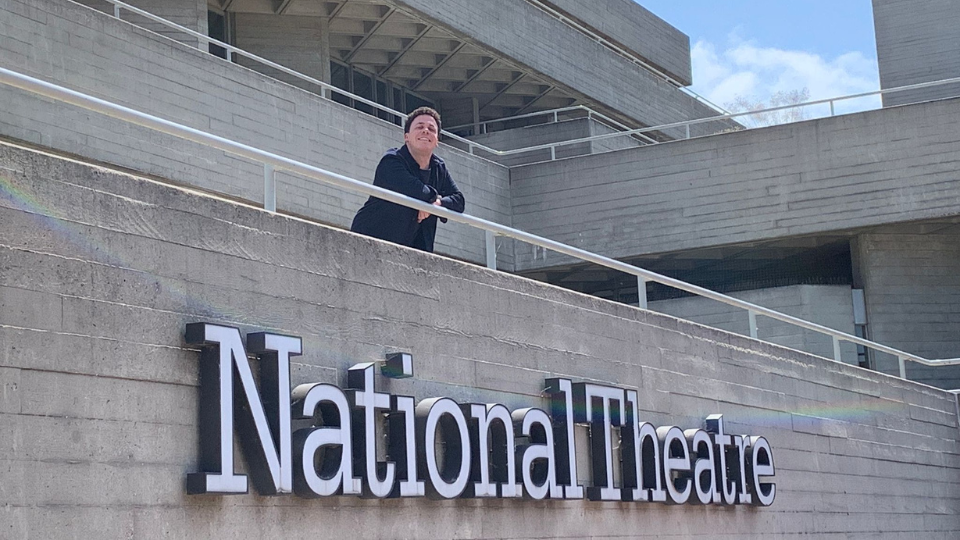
<point>399,172</point>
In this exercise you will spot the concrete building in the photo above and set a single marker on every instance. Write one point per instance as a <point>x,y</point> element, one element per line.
<point>112,244</point>
<point>916,46</point>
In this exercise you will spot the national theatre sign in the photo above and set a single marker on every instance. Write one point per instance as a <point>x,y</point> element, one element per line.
<point>357,441</point>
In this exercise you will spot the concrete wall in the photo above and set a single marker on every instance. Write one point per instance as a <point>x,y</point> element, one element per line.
<point>911,280</point>
<point>564,130</point>
<point>857,170</point>
<point>99,404</point>
<point>613,143</point>
<point>549,46</point>
<point>917,42</point>
<point>827,305</point>
<point>634,28</point>
<point>90,52</point>
<point>292,42</point>
<point>189,13</point>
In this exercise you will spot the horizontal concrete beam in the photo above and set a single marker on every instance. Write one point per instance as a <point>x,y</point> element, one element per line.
<point>546,45</point>
<point>630,25</point>
<point>858,170</point>
<point>917,42</point>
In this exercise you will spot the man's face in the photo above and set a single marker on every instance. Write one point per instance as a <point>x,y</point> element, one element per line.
<point>423,134</point>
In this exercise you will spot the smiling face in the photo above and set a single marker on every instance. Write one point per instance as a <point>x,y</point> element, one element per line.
<point>422,138</point>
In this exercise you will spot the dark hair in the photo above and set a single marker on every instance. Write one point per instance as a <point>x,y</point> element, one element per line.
<point>420,112</point>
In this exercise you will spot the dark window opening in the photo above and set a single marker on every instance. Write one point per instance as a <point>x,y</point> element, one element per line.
<point>415,102</point>
<point>217,29</point>
<point>366,85</point>
<point>863,357</point>
<point>761,267</point>
<point>383,98</point>
<point>825,265</point>
<point>340,77</point>
<point>398,100</point>
<point>363,87</point>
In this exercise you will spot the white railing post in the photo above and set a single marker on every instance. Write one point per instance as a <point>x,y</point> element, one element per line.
<point>836,349</point>
<point>752,319</point>
<point>555,117</point>
<point>642,293</point>
<point>832,113</point>
<point>491,245</point>
<point>116,11</point>
<point>688,130</point>
<point>553,153</point>
<point>269,188</point>
<point>229,55</point>
<point>903,367</point>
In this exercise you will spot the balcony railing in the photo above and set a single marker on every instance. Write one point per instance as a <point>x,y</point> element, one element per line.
<point>678,130</point>
<point>274,162</point>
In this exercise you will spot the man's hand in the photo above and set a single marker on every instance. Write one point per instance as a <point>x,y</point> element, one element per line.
<point>422,215</point>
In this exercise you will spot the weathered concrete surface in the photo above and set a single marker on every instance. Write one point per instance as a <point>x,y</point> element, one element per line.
<point>100,271</point>
<point>68,44</point>
<point>636,29</point>
<point>559,52</point>
<point>191,14</point>
<point>865,169</point>
<point>293,42</point>
<point>917,42</point>
<point>827,305</point>
<point>564,130</point>
<point>911,280</point>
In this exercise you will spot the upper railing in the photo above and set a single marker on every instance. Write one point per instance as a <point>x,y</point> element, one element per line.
<point>274,162</point>
<point>554,113</point>
<point>553,116</point>
<point>829,103</point>
<point>326,89</point>
<point>677,130</point>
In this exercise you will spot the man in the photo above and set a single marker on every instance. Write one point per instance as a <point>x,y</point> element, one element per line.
<point>414,171</point>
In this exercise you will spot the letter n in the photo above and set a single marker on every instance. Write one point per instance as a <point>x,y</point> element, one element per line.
<point>225,380</point>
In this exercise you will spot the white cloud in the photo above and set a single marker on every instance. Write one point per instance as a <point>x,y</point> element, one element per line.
<point>746,70</point>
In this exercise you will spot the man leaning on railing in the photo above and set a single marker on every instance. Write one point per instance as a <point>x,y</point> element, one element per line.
<point>416,172</point>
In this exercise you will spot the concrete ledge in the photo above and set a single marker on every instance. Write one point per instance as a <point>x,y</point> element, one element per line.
<point>829,175</point>
<point>635,28</point>
<point>90,52</point>
<point>99,401</point>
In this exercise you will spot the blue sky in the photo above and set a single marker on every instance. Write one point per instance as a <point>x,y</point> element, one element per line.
<point>754,49</point>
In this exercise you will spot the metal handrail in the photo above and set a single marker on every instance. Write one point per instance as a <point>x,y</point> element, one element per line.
<point>687,123</point>
<point>233,50</point>
<point>547,112</point>
<point>555,113</point>
<point>729,116</point>
<point>276,162</point>
<point>471,145</point>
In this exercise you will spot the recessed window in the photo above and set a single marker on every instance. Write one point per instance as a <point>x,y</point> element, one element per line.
<point>415,102</point>
<point>363,87</point>
<point>340,77</point>
<point>366,85</point>
<point>217,29</point>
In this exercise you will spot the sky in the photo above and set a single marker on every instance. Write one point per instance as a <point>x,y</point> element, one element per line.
<point>754,49</point>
